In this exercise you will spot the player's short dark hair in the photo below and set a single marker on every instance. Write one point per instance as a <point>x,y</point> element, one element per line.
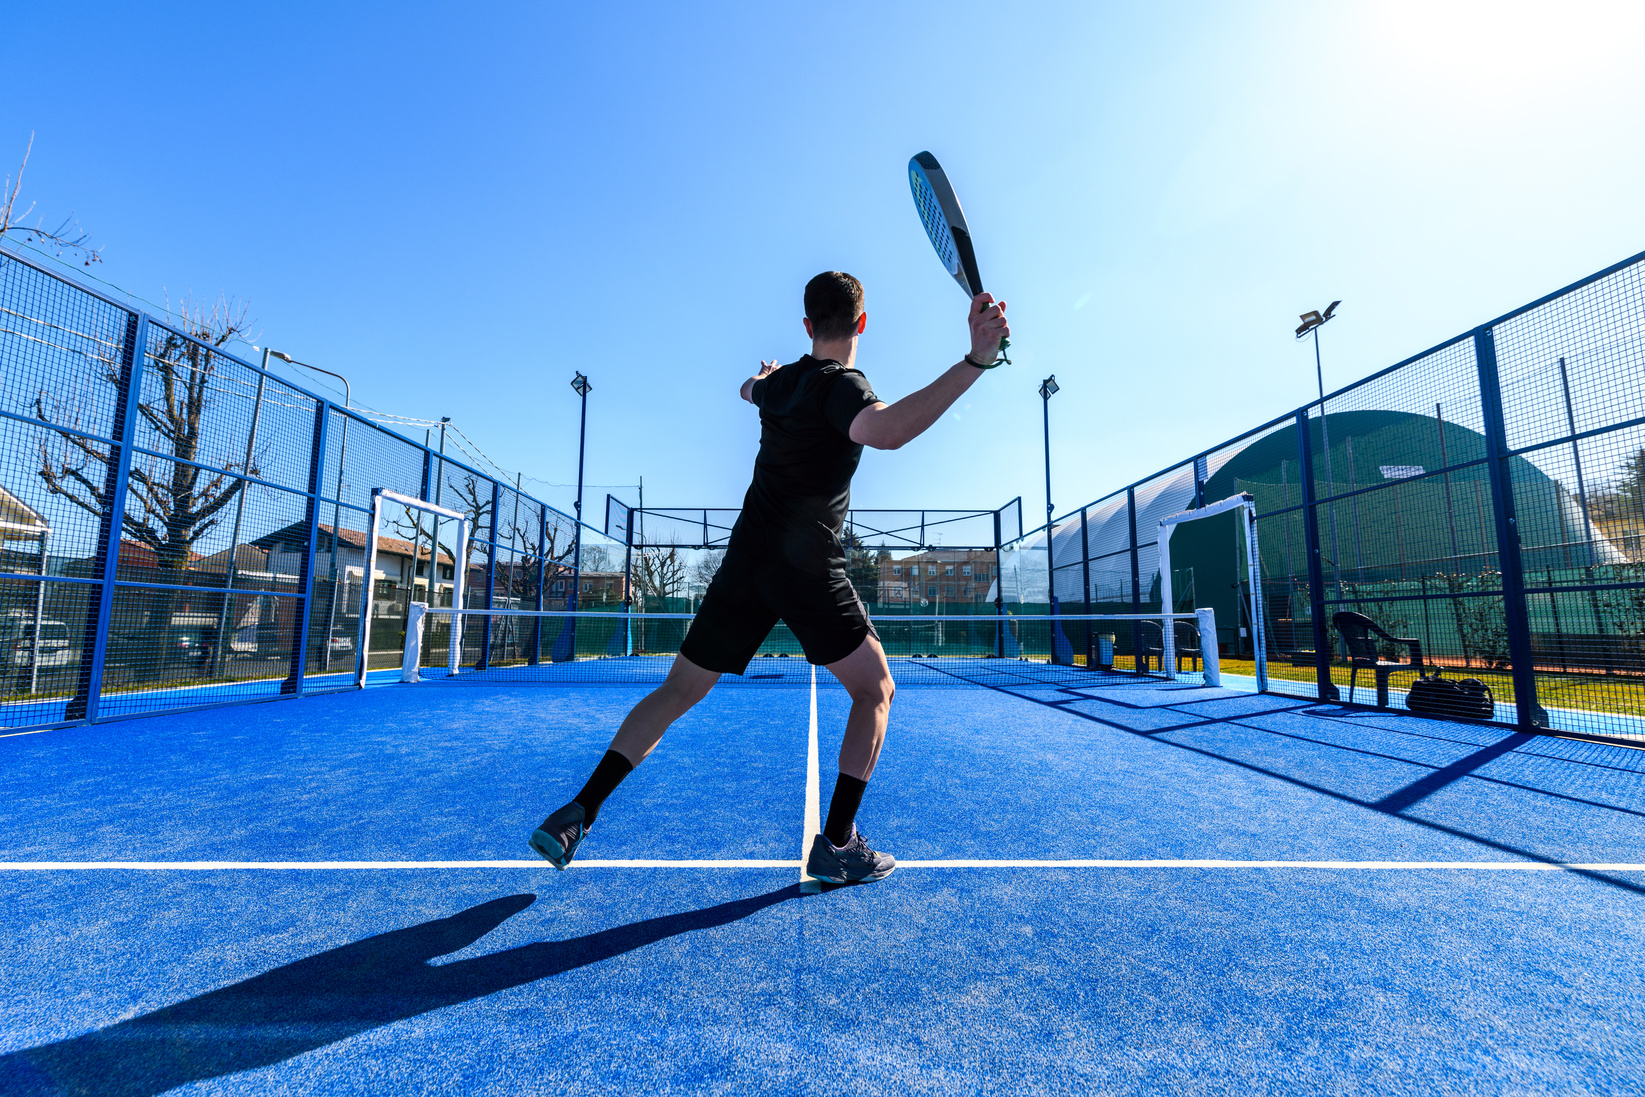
<point>833,301</point>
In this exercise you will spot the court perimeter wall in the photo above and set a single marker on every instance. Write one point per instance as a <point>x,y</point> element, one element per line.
<point>1485,497</point>
<point>180,528</point>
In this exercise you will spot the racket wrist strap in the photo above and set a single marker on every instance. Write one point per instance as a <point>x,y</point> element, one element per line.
<point>970,361</point>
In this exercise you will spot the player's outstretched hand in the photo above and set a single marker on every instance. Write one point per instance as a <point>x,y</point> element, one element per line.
<point>988,327</point>
<point>766,370</point>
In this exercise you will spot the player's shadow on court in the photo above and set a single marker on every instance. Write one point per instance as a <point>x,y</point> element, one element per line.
<point>330,997</point>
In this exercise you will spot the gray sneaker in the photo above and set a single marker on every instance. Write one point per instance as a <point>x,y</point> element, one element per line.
<point>556,841</point>
<point>853,863</point>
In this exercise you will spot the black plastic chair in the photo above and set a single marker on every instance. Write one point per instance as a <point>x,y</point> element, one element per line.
<point>1360,636</point>
<point>1153,644</point>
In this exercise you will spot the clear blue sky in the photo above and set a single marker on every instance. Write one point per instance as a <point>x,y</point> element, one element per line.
<point>460,206</point>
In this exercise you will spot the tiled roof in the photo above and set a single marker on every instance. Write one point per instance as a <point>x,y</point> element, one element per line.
<point>393,546</point>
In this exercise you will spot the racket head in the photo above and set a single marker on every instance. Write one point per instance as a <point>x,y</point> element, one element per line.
<point>944,221</point>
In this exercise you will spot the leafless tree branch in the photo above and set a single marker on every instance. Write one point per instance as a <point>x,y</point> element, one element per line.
<point>67,236</point>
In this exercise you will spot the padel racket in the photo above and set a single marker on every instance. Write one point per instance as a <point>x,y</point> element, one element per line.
<point>944,222</point>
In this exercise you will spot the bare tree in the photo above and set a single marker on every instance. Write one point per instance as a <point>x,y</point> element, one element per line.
<point>176,502</point>
<point>659,573</point>
<point>66,237</point>
<point>704,568</point>
<point>560,548</point>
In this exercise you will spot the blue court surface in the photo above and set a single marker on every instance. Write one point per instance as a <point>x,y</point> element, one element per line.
<point>1142,888</point>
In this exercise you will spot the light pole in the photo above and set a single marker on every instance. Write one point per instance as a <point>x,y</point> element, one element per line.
<point>1312,322</point>
<point>336,503</point>
<point>582,387</point>
<point>1048,389</point>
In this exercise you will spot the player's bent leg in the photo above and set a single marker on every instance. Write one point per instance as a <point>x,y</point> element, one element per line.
<point>556,841</point>
<point>841,854</point>
<point>643,728</point>
<point>866,676</point>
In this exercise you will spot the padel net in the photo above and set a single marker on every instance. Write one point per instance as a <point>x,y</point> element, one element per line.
<point>556,647</point>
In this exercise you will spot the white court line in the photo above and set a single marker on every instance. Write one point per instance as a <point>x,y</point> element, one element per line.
<point>332,866</point>
<point>813,812</point>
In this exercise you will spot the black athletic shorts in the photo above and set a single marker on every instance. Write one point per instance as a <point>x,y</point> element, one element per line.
<point>746,600</point>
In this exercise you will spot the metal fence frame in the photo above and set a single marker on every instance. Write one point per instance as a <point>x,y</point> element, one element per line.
<point>1481,343</point>
<point>1510,428</point>
<point>318,491</point>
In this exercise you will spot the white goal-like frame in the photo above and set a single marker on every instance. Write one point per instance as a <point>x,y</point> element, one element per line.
<point>1247,507</point>
<point>459,571</point>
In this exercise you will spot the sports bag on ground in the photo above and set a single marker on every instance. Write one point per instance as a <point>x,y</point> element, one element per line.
<point>1465,698</point>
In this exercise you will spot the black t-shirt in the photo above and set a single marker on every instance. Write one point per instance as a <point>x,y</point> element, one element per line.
<point>796,506</point>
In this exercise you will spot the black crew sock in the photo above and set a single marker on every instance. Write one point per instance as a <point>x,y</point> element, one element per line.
<point>842,809</point>
<point>602,783</point>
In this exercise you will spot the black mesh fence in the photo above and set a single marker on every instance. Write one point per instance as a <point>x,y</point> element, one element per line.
<point>1475,512</point>
<point>179,528</point>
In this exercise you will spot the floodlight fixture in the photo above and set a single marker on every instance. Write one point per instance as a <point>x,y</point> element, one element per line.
<point>580,383</point>
<point>1315,318</point>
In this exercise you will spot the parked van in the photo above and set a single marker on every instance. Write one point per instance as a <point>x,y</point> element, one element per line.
<point>57,647</point>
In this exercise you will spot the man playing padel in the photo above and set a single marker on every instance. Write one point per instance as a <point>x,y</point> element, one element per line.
<point>785,561</point>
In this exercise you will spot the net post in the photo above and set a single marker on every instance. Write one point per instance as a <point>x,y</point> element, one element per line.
<point>412,658</point>
<point>459,573</point>
<point>362,661</point>
<point>484,659</point>
<point>1210,658</point>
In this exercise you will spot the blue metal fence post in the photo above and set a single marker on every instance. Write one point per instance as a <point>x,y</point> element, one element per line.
<point>484,660</point>
<point>89,686</point>
<point>1316,566</point>
<point>628,576</point>
<point>1139,661</point>
<point>1530,715</point>
<point>536,654</point>
<point>299,639</point>
<point>999,588</point>
<point>1085,583</point>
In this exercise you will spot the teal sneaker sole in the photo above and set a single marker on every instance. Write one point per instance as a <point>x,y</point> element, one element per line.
<point>543,845</point>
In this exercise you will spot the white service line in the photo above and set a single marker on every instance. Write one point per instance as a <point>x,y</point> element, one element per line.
<point>328,866</point>
<point>813,811</point>
<point>333,866</point>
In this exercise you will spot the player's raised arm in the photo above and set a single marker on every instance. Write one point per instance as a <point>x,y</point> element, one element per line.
<point>889,426</point>
<point>766,369</point>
